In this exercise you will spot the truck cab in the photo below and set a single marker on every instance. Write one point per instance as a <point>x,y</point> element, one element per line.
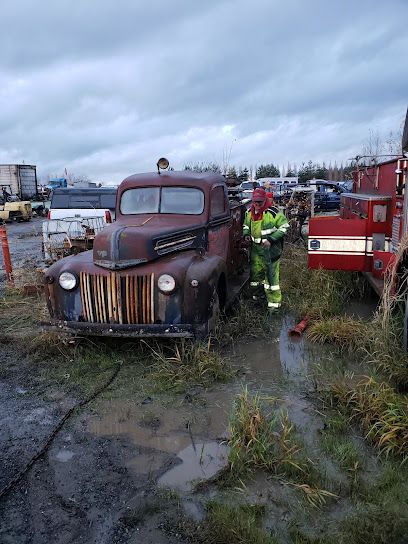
<point>167,267</point>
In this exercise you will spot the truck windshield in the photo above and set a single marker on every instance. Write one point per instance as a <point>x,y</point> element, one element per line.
<point>181,200</point>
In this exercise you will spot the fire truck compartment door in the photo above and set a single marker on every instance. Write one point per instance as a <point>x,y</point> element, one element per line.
<point>338,244</point>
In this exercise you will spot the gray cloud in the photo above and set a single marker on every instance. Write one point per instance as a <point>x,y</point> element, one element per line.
<point>103,88</point>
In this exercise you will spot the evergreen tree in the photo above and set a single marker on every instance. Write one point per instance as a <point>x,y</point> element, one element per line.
<point>203,167</point>
<point>267,171</point>
<point>312,170</point>
<point>243,174</point>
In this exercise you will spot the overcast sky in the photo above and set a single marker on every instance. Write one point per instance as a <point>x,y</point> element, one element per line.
<point>105,87</point>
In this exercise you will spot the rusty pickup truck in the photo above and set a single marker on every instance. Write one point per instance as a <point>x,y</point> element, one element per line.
<point>168,266</point>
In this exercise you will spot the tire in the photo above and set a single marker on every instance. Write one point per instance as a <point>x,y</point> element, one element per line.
<point>202,331</point>
<point>216,311</point>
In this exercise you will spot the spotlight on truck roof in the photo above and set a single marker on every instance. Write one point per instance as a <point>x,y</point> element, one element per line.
<point>162,164</point>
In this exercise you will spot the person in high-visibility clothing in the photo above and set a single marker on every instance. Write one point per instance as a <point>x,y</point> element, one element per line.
<point>265,226</point>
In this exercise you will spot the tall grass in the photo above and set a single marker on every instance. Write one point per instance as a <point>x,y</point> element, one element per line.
<point>245,319</point>
<point>350,335</point>
<point>267,440</point>
<point>19,315</point>
<point>382,413</point>
<point>317,294</point>
<point>177,366</point>
<point>226,524</point>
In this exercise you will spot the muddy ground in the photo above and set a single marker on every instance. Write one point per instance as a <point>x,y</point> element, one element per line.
<point>124,468</point>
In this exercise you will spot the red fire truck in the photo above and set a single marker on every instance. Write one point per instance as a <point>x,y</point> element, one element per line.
<point>373,219</point>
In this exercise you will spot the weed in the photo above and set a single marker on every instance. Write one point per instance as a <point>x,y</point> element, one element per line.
<point>226,524</point>
<point>177,366</point>
<point>381,516</point>
<point>316,497</point>
<point>315,293</point>
<point>82,368</point>
<point>344,451</point>
<point>246,319</point>
<point>299,537</point>
<point>382,412</point>
<point>348,334</point>
<point>18,314</point>
<point>267,441</point>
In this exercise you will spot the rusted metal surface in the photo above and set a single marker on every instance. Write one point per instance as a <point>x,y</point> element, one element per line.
<point>127,299</point>
<point>136,331</point>
<point>117,282</point>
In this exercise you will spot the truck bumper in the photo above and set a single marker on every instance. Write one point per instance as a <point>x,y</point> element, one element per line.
<point>124,331</point>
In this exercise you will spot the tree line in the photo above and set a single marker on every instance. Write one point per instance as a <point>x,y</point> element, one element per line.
<point>307,170</point>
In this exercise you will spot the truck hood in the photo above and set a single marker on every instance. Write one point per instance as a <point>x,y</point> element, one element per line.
<point>128,243</point>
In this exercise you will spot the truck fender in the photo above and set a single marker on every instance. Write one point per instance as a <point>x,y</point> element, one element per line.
<point>201,280</point>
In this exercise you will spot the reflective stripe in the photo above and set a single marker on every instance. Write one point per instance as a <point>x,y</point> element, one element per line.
<point>254,283</point>
<point>268,231</point>
<point>256,240</point>
<point>284,228</point>
<point>271,287</point>
<point>245,227</point>
<point>274,305</point>
<point>338,244</point>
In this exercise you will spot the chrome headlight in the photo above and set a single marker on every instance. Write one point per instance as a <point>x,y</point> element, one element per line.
<point>67,281</point>
<point>166,283</point>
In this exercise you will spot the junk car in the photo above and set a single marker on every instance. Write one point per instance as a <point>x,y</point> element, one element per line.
<point>167,267</point>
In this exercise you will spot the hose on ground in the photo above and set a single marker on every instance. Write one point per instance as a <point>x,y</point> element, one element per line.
<point>8,487</point>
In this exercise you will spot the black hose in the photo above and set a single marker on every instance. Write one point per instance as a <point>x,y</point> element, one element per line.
<point>7,488</point>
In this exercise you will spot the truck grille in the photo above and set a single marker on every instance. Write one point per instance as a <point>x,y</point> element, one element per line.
<point>117,299</point>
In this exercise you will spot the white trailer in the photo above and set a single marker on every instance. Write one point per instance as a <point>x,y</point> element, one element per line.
<point>21,178</point>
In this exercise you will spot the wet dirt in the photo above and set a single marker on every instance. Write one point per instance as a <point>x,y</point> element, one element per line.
<point>106,475</point>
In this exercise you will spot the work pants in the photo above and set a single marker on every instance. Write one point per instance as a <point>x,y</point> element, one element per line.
<point>265,277</point>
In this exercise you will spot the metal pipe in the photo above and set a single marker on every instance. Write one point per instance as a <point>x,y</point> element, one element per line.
<point>6,255</point>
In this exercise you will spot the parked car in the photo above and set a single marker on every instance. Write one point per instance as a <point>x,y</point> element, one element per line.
<point>247,188</point>
<point>83,202</point>
<point>327,195</point>
<point>169,264</point>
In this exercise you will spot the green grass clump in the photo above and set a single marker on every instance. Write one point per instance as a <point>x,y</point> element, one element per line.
<point>176,367</point>
<point>226,524</point>
<point>381,516</point>
<point>20,314</point>
<point>83,368</point>
<point>348,334</point>
<point>314,293</point>
<point>246,319</point>
<point>343,450</point>
<point>267,441</point>
<point>261,440</point>
<point>381,411</point>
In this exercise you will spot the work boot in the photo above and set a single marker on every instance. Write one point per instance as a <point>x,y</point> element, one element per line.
<point>274,307</point>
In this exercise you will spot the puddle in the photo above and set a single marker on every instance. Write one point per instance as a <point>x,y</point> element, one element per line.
<point>146,463</point>
<point>64,455</point>
<point>272,359</point>
<point>199,462</point>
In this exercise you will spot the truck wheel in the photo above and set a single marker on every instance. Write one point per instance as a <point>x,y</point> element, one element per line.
<point>216,310</point>
<point>202,331</point>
